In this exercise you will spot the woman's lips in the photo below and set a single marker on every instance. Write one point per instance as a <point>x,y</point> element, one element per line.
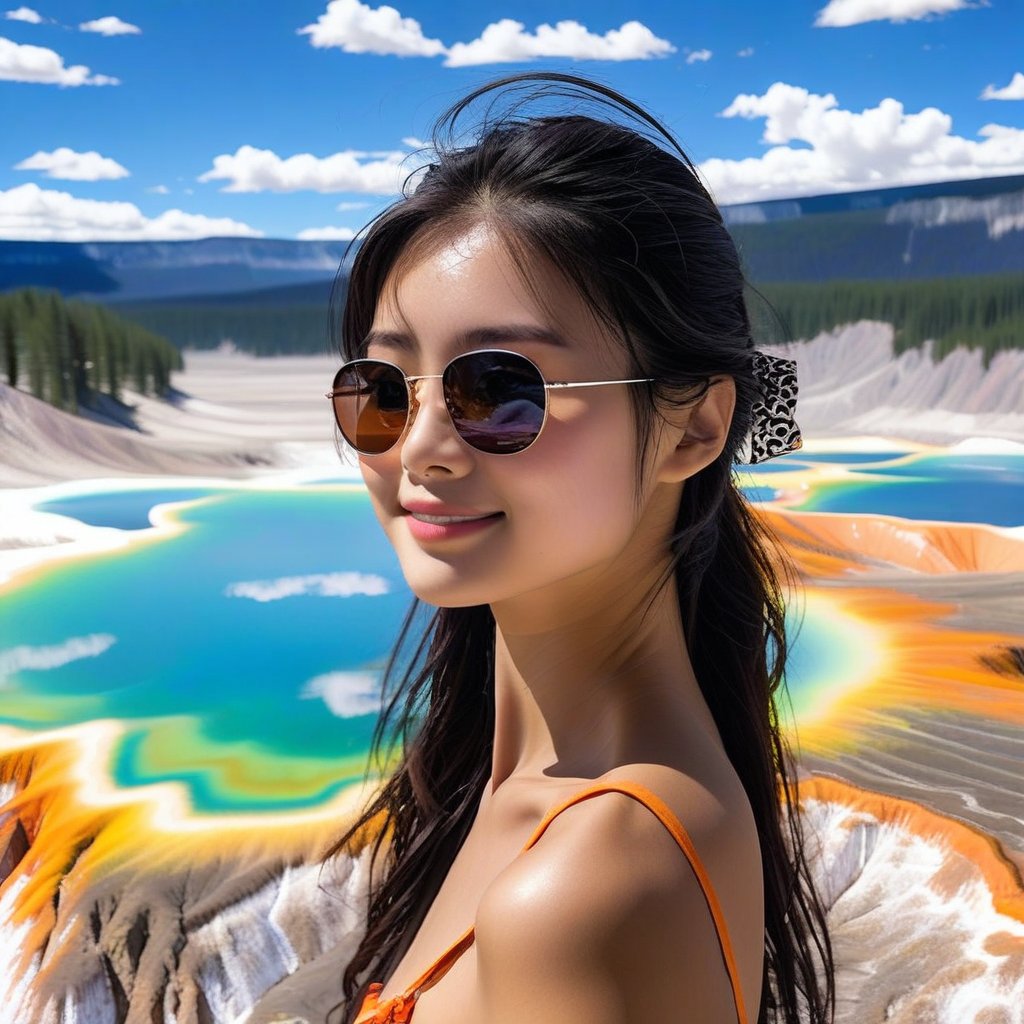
<point>424,526</point>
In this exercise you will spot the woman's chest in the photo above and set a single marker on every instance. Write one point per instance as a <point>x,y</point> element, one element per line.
<point>496,840</point>
<point>453,910</point>
<point>455,999</point>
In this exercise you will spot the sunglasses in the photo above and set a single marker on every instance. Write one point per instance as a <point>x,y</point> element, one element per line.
<point>497,401</point>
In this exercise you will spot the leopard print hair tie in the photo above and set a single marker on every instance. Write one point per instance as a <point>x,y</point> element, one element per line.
<point>773,429</point>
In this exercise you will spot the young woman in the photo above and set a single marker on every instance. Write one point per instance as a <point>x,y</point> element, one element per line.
<point>550,373</point>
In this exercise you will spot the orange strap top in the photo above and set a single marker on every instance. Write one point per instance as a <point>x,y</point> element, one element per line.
<point>398,1010</point>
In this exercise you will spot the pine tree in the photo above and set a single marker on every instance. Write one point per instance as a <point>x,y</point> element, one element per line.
<point>10,349</point>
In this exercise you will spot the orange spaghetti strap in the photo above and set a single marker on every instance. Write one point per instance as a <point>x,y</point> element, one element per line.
<point>678,833</point>
<point>443,964</point>
<point>400,1007</point>
<point>440,967</point>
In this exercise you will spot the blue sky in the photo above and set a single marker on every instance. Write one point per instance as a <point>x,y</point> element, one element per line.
<point>144,119</point>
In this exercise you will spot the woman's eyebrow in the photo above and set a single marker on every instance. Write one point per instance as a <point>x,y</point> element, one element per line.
<point>471,338</point>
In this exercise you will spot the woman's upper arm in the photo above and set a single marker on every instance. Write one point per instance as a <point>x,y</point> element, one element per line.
<point>603,922</point>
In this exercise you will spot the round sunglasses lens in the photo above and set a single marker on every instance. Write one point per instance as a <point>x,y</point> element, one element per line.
<point>371,405</point>
<point>496,400</point>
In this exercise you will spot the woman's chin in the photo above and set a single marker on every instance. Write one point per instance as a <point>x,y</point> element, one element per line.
<point>444,590</point>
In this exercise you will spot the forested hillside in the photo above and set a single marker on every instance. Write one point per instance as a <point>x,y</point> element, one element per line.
<point>264,330</point>
<point>980,312</point>
<point>977,312</point>
<point>903,243</point>
<point>69,353</point>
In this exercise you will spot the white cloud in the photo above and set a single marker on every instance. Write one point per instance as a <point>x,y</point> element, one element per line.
<point>25,14</point>
<point>259,170</point>
<point>20,62</point>
<point>413,143</point>
<point>66,164</point>
<point>111,26</point>
<point>333,584</point>
<point>17,659</point>
<point>327,234</point>
<point>358,28</point>
<point>44,215</point>
<point>877,147</point>
<point>789,111</point>
<point>507,40</point>
<point>346,694</point>
<point>346,205</point>
<point>698,56</point>
<point>1013,91</point>
<point>843,13</point>
<point>159,190</point>
<point>747,51</point>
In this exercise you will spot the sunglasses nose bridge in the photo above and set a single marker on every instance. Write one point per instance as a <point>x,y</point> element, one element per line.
<point>415,400</point>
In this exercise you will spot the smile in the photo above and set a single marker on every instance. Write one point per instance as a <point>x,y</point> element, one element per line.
<point>445,520</point>
<point>424,527</point>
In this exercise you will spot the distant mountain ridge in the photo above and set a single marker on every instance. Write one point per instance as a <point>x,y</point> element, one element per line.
<point>766,210</point>
<point>959,228</point>
<point>132,271</point>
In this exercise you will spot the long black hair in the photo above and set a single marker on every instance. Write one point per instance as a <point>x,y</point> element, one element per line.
<point>628,221</point>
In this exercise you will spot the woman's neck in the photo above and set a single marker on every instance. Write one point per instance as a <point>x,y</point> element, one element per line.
<point>592,678</point>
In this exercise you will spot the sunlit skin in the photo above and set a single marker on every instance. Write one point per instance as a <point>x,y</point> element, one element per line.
<point>586,685</point>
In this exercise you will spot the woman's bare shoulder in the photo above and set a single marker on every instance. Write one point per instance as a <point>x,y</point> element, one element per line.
<point>710,802</point>
<point>607,898</point>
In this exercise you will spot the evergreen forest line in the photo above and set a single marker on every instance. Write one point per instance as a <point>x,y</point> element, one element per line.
<point>985,312</point>
<point>264,330</point>
<point>68,352</point>
<point>976,312</point>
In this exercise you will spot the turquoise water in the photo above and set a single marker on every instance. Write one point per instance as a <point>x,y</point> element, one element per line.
<point>855,458</point>
<point>951,488</point>
<point>804,460</point>
<point>243,653</point>
<point>758,493</point>
<point>175,647</point>
<point>123,510</point>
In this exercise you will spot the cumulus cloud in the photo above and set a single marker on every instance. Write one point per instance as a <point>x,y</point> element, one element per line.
<point>843,13</point>
<point>257,170</point>
<point>66,164</point>
<point>110,26</point>
<point>347,205</point>
<point>17,659</point>
<point>507,40</point>
<point>44,215</point>
<point>20,62</point>
<point>846,151</point>
<point>346,694</point>
<point>332,584</point>
<point>747,51</point>
<point>326,234</point>
<point>159,190</point>
<point>24,14</point>
<point>358,28</point>
<point>1013,91</point>
<point>698,56</point>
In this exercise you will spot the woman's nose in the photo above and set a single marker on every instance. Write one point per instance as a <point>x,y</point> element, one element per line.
<point>431,442</point>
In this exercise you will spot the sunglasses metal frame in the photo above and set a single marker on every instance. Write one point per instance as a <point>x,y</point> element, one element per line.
<point>410,382</point>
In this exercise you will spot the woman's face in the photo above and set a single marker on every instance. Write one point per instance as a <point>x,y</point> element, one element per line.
<point>564,510</point>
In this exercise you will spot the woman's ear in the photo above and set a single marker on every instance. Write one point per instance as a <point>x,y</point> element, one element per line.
<point>699,432</point>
